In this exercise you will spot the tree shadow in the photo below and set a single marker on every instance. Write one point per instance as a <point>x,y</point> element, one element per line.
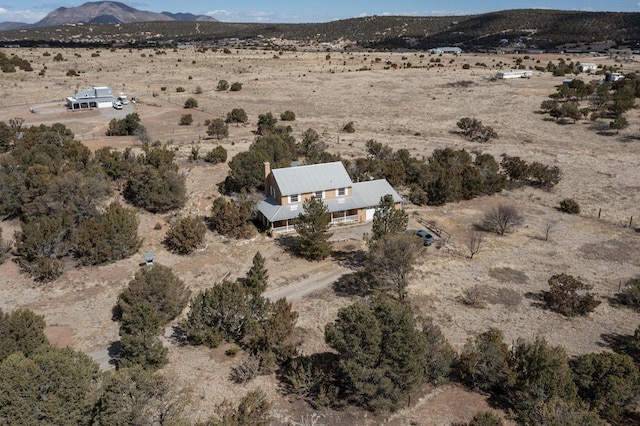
<point>620,343</point>
<point>355,284</point>
<point>114,350</point>
<point>606,133</point>
<point>630,138</point>
<point>350,259</point>
<point>288,243</point>
<point>537,299</point>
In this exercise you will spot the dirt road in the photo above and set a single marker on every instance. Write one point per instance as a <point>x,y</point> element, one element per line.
<point>302,288</point>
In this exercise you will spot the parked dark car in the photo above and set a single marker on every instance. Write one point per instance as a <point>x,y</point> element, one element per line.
<point>426,237</point>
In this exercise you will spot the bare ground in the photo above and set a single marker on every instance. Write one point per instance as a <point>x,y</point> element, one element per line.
<point>414,108</point>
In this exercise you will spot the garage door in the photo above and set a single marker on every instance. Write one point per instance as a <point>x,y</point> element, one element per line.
<point>369,214</point>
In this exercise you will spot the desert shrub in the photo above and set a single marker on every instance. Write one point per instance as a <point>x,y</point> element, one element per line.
<point>216,155</point>
<point>569,205</point>
<point>226,51</point>
<point>179,89</point>
<point>235,87</point>
<point>381,353</point>
<point>543,176</point>
<point>483,363</point>
<point>186,120</point>
<point>5,248</point>
<point>630,294</point>
<point>349,127</point>
<point>217,128</point>
<point>485,418</point>
<point>58,57</point>
<point>191,103</point>
<point>609,383</point>
<point>567,296</point>
<point>156,190</point>
<point>288,116</point>
<point>476,131</point>
<point>20,331</point>
<point>72,73</point>
<point>140,346</point>
<point>266,123</point>
<point>313,378</point>
<point>502,219</point>
<point>236,115</point>
<point>185,235</point>
<point>111,235</point>
<point>198,90</point>
<point>157,287</point>
<point>466,66</point>
<point>125,127</point>
<point>247,371</point>
<point>231,218</point>
<point>222,85</point>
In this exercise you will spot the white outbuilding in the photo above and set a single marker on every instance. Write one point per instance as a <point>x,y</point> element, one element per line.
<point>96,97</point>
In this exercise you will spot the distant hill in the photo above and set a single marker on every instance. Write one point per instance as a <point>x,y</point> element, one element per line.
<point>103,12</point>
<point>524,28</point>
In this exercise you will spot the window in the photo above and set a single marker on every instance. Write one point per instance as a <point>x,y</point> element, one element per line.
<point>341,192</point>
<point>273,191</point>
<point>318,194</point>
<point>294,198</point>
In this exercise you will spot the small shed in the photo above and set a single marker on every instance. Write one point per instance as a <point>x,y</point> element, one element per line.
<point>149,258</point>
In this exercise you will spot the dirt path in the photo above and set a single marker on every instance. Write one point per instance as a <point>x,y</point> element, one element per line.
<point>308,285</point>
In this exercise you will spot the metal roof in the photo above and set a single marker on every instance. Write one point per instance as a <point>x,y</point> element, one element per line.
<point>365,195</point>
<point>314,177</point>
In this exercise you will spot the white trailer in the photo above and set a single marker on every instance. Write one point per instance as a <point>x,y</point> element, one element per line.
<point>504,75</point>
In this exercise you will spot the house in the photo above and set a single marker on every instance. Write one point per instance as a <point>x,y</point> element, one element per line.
<point>587,67</point>
<point>504,75</point>
<point>96,97</point>
<point>613,77</point>
<point>348,202</point>
<point>446,49</point>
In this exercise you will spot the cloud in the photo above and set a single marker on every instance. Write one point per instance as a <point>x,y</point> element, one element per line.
<point>27,16</point>
<point>250,16</point>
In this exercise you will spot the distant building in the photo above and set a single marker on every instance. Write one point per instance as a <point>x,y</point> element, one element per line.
<point>504,75</point>
<point>96,97</point>
<point>614,76</point>
<point>439,50</point>
<point>348,202</point>
<point>587,67</point>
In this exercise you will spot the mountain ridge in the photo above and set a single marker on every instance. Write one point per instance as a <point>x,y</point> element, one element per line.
<point>103,12</point>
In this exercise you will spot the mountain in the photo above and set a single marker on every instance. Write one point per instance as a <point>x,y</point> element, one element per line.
<point>189,17</point>
<point>110,12</point>
<point>8,25</point>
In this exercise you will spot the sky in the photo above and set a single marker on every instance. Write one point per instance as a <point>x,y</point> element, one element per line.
<point>301,11</point>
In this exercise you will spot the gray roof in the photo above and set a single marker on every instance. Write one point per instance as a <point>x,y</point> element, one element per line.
<point>365,195</point>
<point>94,92</point>
<point>314,177</point>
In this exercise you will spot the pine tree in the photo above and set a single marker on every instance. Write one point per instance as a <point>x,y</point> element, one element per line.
<point>258,276</point>
<point>312,228</point>
<point>388,219</point>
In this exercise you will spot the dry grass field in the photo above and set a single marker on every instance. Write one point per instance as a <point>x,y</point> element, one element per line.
<point>414,108</point>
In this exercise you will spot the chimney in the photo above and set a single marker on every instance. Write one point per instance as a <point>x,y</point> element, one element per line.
<point>267,169</point>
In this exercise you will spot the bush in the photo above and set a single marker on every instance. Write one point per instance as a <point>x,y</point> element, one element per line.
<point>156,190</point>
<point>237,115</point>
<point>502,219</point>
<point>569,205</point>
<point>72,73</point>
<point>125,127</point>
<point>191,103</point>
<point>216,155</point>
<point>157,287</point>
<point>288,116</point>
<point>217,128</point>
<point>236,87</point>
<point>110,236</point>
<point>179,89</point>
<point>222,85</point>
<point>186,120</point>
<point>567,296</point>
<point>630,295</point>
<point>474,129</point>
<point>5,248</point>
<point>185,235</point>
<point>231,219</point>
